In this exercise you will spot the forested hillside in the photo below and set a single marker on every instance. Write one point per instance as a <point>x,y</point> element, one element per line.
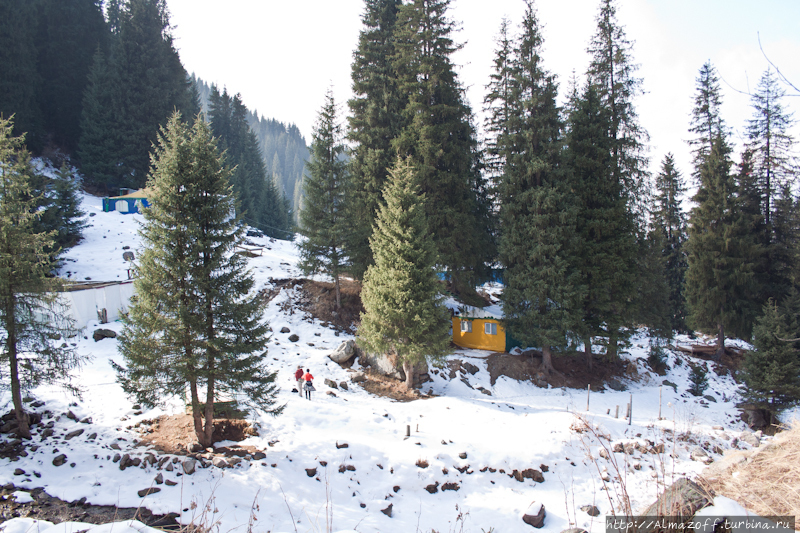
<point>283,148</point>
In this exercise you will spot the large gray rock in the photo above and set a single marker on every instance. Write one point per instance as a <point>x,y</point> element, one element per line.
<point>330,383</point>
<point>345,352</point>
<point>189,466</point>
<point>750,438</point>
<point>100,334</point>
<point>681,500</point>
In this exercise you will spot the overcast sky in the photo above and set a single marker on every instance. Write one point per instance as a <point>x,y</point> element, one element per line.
<point>281,56</point>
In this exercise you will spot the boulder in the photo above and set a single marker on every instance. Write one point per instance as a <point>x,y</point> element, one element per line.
<point>170,483</point>
<point>284,329</point>
<point>750,438</point>
<point>616,385</point>
<point>73,434</point>
<point>682,499</point>
<point>311,472</point>
<point>755,418</point>
<point>159,479</point>
<point>469,367</point>
<point>591,510</point>
<point>535,515</point>
<point>358,377</point>
<point>345,352</point>
<point>59,460</point>
<point>450,486</point>
<point>100,334</point>
<point>387,511</point>
<point>189,466</point>
<point>220,462</point>
<point>146,492</point>
<point>433,488</point>
<point>330,383</point>
<point>293,338</point>
<point>128,256</point>
<point>343,385</point>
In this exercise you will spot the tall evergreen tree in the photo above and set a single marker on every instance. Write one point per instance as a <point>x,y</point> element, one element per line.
<point>537,215</point>
<point>33,324</point>
<point>498,103</point>
<point>323,219</point>
<point>196,321</point>
<point>403,312</point>
<point>59,208</point>
<point>605,227</point>
<point>613,73</point>
<point>706,123</point>
<point>374,122</point>
<point>772,371</point>
<point>144,81</point>
<point>669,221</point>
<point>440,139</point>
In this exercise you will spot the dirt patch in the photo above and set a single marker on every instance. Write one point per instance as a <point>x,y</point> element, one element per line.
<point>45,507</point>
<point>571,369</point>
<point>318,300</point>
<point>174,434</point>
<point>387,387</point>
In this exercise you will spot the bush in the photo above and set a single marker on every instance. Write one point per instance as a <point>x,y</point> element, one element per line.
<point>698,379</point>
<point>657,359</point>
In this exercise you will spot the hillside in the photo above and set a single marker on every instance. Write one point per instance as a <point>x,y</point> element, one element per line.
<point>475,459</point>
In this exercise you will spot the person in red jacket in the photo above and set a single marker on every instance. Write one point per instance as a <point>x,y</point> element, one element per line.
<point>309,386</point>
<point>298,377</point>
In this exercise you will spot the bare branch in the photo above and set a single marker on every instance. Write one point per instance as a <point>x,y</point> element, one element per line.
<point>780,74</point>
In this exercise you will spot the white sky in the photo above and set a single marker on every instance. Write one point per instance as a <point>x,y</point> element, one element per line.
<point>282,56</point>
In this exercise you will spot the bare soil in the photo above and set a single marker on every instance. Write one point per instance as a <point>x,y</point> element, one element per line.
<point>571,368</point>
<point>387,387</point>
<point>175,435</point>
<point>318,300</point>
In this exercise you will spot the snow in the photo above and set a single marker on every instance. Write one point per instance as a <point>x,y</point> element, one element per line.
<point>519,426</point>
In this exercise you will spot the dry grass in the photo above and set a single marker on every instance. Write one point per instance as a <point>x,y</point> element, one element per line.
<point>768,481</point>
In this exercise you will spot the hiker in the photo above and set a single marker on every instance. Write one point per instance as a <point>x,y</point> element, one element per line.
<point>298,377</point>
<point>309,386</point>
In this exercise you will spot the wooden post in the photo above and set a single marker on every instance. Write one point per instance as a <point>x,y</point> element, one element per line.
<point>630,420</point>
<point>588,390</point>
<point>616,413</point>
<point>408,430</point>
<point>627,410</point>
<point>417,428</point>
<point>659,401</point>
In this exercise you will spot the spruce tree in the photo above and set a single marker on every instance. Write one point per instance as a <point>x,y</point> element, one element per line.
<point>59,208</point>
<point>605,227</point>
<point>669,222</point>
<point>706,123</point>
<point>373,123</point>
<point>772,371</point>
<point>33,322</point>
<point>323,219</point>
<point>537,215</point>
<point>440,139</point>
<point>403,311</point>
<point>498,104</point>
<point>196,320</point>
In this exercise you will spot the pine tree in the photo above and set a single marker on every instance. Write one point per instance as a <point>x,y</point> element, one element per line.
<point>403,312</point>
<point>706,121</point>
<point>59,208</point>
<point>720,277</point>
<point>613,73</point>
<point>498,104</point>
<point>196,320</point>
<point>607,249</point>
<point>669,221</point>
<point>32,319</point>
<point>323,219</point>
<point>537,215</point>
<point>772,371</point>
<point>98,145</point>
<point>373,123</point>
<point>784,254</point>
<point>440,140</point>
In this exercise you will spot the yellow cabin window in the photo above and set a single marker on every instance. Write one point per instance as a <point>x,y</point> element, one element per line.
<point>466,326</point>
<point>490,328</point>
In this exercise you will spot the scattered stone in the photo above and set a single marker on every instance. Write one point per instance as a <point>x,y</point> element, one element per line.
<point>100,334</point>
<point>19,472</point>
<point>342,445</point>
<point>616,385</point>
<point>534,516</point>
<point>189,466</point>
<point>220,462</point>
<point>293,338</point>
<point>73,434</point>
<point>750,438</point>
<point>136,462</point>
<point>344,352</point>
<point>396,488</point>
<point>387,511</point>
<point>618,447</point>
<point>682,498</point>
<point>284,329</point>
<point>485,391</point>
<point>330,383</point>
<point>59,460</point>
<point>146,492</point>
<point>92,436</point>
<point>87,420</point>
<point>433,488</point>
<point>71,416</point>
<point>343,385</point>
<point>591,510</point>
<point>259,455</point>
<point>358,377</point>
<point>37,404</point>
<point>170,483</point>
<point>603,453</point>
<point>116,458</point>
<point>311,472</point>
<point>159,479</point>
<point>462,455</point>
<point>710,398</point>
<point>169,467</point>
<point>450,486</point>
<point>472,369</point>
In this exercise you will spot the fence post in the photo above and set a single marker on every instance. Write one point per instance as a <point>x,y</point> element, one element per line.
<point>588,390</point>
<point>630,420</point>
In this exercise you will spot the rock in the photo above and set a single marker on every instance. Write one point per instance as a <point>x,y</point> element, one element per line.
<point>92,436</point>
<point>125,462</point>
<point>574,530</point>
<point>484,391</point>
<point>169,467</point>
<point>233,461</point>
<point>71,416</point>
<point>128,256</point>
<point>472,369</point>
<point>358,377</point>
<point>159,479</point>
<point>59,460</point>
<point>750,438</point>
<point>462,455</point>
<point>259,455</point>
<point>433,488</point>
<point>450,486</point>
<point>330,383</point>
<point>591,510</point>
<point>220,462</point>
<point>343,385</point>
<point>19,472</point>
<point>114,446</point>
<point>284,329</point>
<point>170,483</point>
<point>632,371</point>
<point>387,511</point>
<point>616,385</point>
<point>532,473</point>
<point>73,434</point>
<point>344,352</point>
<point>698,453</point>
<point>710,398</point>
<point>534,516</point>
<point>146,492</point>
<point>668,383</point>
<point>603,453</point>
<point>100,334</point>
<point>116,458</point>
<point>342,445</point>
<point>293,338</point>
<point>189,466</point>
<point>618,447</point>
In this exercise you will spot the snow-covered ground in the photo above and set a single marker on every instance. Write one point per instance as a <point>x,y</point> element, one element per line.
<point>466,437</point>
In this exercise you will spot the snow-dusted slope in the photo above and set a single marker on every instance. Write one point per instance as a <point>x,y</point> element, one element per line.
<point>469,439</point>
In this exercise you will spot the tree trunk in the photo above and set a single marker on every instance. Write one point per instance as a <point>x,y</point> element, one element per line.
<point>547,360</point>
<point>16,391</point>
<point>408,368</point>
<point>197,416</point>
<point>338,292</point>
<point>208,429</point>
<point>612,348</point>
<point>587,350</point>
<point>720,342</point>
